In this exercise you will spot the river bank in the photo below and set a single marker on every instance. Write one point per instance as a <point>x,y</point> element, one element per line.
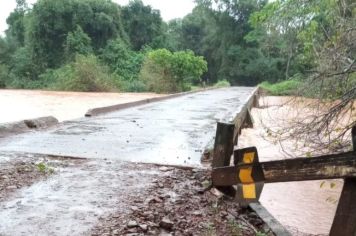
<point>305,208</point>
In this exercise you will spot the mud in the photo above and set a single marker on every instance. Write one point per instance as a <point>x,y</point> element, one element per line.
<point>71,200</point>
<point>176,204</point>
<point>19,173</point>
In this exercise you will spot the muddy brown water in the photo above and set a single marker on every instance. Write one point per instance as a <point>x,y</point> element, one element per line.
<point>26,104</point>
<point>305,208</point>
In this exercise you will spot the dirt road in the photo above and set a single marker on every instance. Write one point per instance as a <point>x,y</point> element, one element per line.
<point>81,192</point>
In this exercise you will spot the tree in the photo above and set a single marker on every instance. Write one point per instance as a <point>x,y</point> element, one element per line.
<point>319,37</point>
<point>122,60</point>
<point>174,35</point>
<point>16,23</point>
<point>51,21</point>
<point>77,42</point>
<point>143,25</point>
<point>216,31</point>
<point>167,72</point>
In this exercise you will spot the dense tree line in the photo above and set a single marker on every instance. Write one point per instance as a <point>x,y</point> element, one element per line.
<point>243,41</point>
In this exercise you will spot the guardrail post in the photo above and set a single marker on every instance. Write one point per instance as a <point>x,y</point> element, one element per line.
<point>345,217</point>
<point>223,146</point>
<point>223,149</point>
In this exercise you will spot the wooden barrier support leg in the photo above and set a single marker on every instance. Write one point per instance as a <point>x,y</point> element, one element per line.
<point>223,149</point>
<point>345,217</point>
<point>223,146</point>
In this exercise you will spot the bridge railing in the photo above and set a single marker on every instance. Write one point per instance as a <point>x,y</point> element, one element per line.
<point>245,179</point>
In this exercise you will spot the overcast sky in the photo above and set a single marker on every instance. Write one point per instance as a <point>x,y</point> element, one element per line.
<point>170,9</point>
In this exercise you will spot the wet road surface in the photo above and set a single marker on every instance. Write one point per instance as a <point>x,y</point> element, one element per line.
<point>70,202</point>
<point>173,132</point>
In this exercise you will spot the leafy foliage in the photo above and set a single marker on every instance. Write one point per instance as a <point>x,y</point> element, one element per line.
<point>287,87</point>
<point>77,42</point>
<point>122,60</point>
<point>243,42</point>
<point>51,24</point>
<point>143,25</point>
<point>85,74</point>
<point>166,72</point>
<point>222,84</point>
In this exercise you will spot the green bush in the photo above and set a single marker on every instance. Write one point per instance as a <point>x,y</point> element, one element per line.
<point>77,42</point>
<point>287,87</point>
<point>122,60</point>
<point>85,74</point>
<point>167,72</point>
<point>222,84</point>
<point>132,86</point>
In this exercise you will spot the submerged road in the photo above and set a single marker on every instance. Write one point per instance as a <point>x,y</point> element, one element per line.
<point>174,131</point>
<point>80,192</point>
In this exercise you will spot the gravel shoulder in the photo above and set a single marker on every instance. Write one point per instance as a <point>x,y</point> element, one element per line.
<point>53,195</point>
<point>176,204</point>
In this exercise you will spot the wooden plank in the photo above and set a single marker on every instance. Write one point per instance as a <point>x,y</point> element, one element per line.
<point>271,222</point>
<point>300,169</point>
<point>223,146</point>
<point>223,149</point>
<point>345,217</point>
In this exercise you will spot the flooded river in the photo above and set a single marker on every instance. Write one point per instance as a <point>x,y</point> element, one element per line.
<point>305,208</point>
<point>26,104</point>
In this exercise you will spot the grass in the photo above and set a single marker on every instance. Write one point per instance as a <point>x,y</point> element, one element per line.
<point>287,87</point>
<point>44,169</point>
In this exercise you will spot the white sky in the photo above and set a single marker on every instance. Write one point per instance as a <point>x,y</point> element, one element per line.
<point>170,9</point>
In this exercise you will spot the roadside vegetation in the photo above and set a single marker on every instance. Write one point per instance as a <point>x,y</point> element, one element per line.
<point>97,45</point>
<point>286,87</point>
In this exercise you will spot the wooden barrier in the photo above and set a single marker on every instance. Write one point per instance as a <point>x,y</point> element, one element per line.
<point>345,217</point>
<point>223,149</point>
<point>334,166</point>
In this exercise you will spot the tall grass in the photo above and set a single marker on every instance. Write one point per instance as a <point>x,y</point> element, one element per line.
<point>283,88</point>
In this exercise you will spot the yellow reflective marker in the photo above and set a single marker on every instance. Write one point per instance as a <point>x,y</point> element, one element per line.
<point>250,176</point>
<point>248,157</point>
<point>249,191</point>
<point>248,186</point>
<point>245,175</point>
